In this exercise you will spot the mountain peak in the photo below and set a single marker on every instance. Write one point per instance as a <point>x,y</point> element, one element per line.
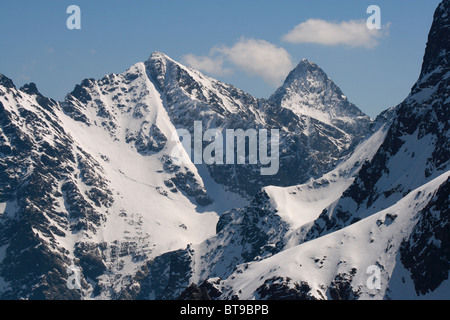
<point>30,88</point>
<point>157,55</point>
<point>438,45</point>
<point>308,91</point>
<point>307,77</point>
<point>303,69</point>
<point>6,82</point>
<point>307,62</point>
<point>156,66</point>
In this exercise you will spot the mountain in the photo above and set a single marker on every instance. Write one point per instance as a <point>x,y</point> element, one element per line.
<point>72,195</point>
<point>95,204</point>
<point>263,229</point>
<point>310,93</point>
<point>89,187</point>
<point>386,208</point>
<point>308,146</point>
<point>417,141</point>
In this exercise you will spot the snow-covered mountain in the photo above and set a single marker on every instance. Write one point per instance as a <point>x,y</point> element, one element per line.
<point>77,194</point>
<point>308,147</point>
<point>90,182</point>
<point>89,188</point>
<point>311,94</point>
<point>386,207</point>
<point>266,227</point>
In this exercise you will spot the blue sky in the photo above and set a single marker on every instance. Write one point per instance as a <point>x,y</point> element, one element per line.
<point>36,45</point>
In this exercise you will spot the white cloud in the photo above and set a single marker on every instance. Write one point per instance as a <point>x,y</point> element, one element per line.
<point>255,57</point>
<point>211,65</point>
<point>353,33</point>
<point>260,58</point>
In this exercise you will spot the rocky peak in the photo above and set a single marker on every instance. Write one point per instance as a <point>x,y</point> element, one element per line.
<point>156,66</point>
<point>311,94</point>
<point>6,82</point>
<point>309,87</point>
<point>30,88</point>
<point>305,71</point>
<point>157,58</point>
<point>157,55</point>
<point>438,46</point>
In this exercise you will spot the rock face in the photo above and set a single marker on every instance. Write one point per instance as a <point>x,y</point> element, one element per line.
<point>426,252</point>
<point>50,188</point>
<point>93,204</point>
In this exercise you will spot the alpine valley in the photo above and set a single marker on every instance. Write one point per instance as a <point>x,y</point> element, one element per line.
<point>89,188</point>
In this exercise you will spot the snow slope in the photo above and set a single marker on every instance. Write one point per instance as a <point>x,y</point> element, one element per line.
<point>275,221</point>
<point>299,205</point>
<point>319,264</point>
